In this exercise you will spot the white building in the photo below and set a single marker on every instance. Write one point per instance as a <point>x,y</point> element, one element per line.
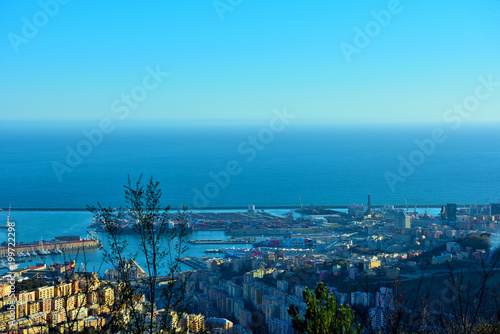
<point>453,247</point>
<point>360,298</point>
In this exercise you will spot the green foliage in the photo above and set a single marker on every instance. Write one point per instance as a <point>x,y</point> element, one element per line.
<point>30,284</point>
<point>475,241</point>
<point>269,280</point>
<point>364,250</point>
<point>323,315</point>
<point>340,262</point>
<point>488,328</point>
<point>303,276</point>
<point>160,249</point>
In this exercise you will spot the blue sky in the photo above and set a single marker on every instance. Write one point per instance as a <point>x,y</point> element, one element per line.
<point>262,55</point>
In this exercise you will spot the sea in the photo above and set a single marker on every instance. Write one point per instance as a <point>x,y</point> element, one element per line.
<point>46,225</point>
<point>228,166</point>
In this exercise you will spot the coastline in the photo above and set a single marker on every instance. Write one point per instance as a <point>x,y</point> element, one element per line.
<point>217,208</point>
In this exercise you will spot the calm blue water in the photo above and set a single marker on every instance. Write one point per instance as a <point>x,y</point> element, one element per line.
<point>34,225</point>
<point>324,165</point>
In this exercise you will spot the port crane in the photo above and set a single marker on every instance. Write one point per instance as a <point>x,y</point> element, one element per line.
<point>465,209</point>
<point>415,209</point>
<point>406,202</point>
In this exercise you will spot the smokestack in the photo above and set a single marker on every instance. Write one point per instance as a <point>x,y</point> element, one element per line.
<point>369,205</point>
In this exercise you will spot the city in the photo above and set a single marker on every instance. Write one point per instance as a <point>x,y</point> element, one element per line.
<point>370,258</point>
<point>249,167</point>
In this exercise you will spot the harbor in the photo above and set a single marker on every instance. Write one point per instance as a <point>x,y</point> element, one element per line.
<point>194,263</point>
<point>57,246</point>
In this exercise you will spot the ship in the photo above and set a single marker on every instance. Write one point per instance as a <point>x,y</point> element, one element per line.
<point>243,252</point>
<point>42,251</point>
<point>7,265</point>
<point>237,252</point>
<point>216,250</point>
<point>285,242</point>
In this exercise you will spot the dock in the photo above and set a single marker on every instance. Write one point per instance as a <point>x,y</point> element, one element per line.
<point>194,263</point>
<point>63,243</point>
<point>235,241</point>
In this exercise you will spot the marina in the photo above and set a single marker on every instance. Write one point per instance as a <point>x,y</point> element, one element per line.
<point>42,248</point>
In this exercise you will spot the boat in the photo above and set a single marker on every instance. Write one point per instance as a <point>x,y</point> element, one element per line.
<point>42,250</point>
<point>217,250</point>
<point>7,265</point>
<point>33,253</point>
<point>237,252</point>
<point>284,242</point>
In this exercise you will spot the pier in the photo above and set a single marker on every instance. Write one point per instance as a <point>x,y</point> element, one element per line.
<point>238,241</point>
<point>194,263</point>
<point>63,243</point>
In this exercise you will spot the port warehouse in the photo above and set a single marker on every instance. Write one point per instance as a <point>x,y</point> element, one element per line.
<point>64,243</point>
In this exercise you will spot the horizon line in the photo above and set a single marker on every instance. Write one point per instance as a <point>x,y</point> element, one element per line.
<point>241,120</point>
